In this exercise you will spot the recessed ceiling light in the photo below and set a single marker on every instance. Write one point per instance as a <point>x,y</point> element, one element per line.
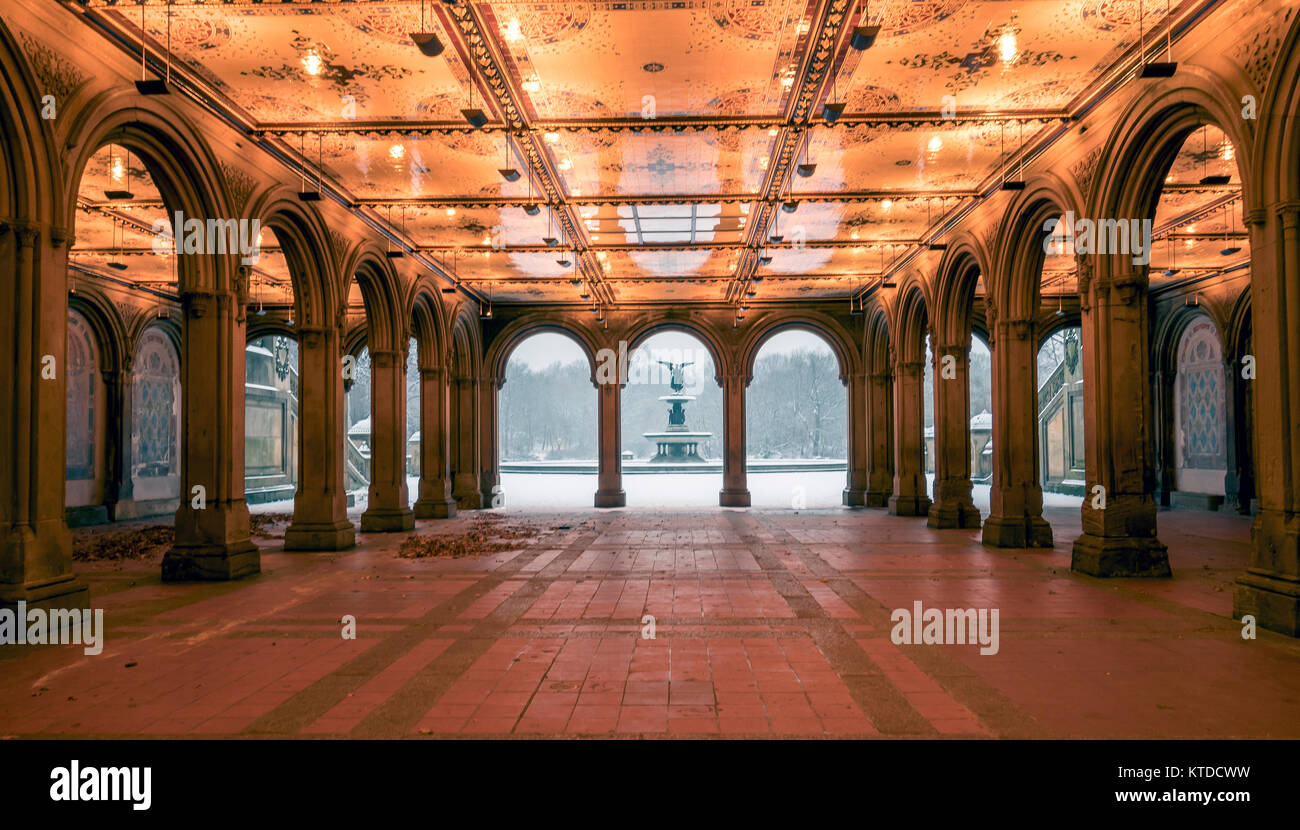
<point>312,63</point>
<point>451,211</point>
<point>653,67</point>
<point>397,151</point>
<point>552,138</point>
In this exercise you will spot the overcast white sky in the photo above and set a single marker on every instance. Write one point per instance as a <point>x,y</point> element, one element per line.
<point>542,350</point>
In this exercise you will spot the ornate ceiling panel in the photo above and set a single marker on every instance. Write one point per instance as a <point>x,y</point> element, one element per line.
<point>659,139</point>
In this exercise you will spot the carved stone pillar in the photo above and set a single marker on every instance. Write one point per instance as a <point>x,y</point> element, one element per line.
<point>952,485</point>
<point>119,489</point>
<point>1016,498</point>
<point>1232,418</point>
<point>320,509</point>
<point>909,497</point>
<point>1119,520</point>
<point>465,469</point>
<point>609,487</point>
<point>212,535</point>
<point>1270,588</point>
<point>435,501</point>
<point>389,500</point>
<point>880,429</point>
<point>489,476</point>
<point>735,487</point>
<point>855,487</point>
<point>35,546</point>
<point>1166,455</point>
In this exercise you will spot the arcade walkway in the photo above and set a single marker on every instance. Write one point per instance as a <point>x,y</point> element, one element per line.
<point>768,623</point>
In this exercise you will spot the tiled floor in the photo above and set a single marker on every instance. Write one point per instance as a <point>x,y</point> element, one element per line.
<point>766,623</point>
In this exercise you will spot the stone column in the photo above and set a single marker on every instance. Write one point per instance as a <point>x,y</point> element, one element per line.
<point>212,536</point>
<point>609,488</point>
<point>1166,450</point>
<point>389,500</point>
<point>735,487</point>
<point>880,428</point>
<point>35,546</point>
<point>1270,588</point>
<point>489,479</point>
<point>435,501</point>
<point>952,484</point>
<point>119,489</point>
<point>909,497</point>
<point>1119,520</point>
<point>320,507</point>
<point>855,487</point>
<point>1016,498</point>
<point>465,473</point>
<point>1235,447</point>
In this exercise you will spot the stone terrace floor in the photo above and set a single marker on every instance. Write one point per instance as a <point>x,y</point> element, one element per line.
<point>768,623</point>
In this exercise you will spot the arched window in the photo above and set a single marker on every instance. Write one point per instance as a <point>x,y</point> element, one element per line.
<point>155,407</point>
<point>1200,428</point>
<point>83,378</point>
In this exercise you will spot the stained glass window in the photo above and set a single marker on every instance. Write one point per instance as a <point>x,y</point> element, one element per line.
<point>1202,437</point>
<point>155,406</point>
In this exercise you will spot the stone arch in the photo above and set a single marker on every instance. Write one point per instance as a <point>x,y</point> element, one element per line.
<point>1015,284</point>
<point>641,330</point>
<point>959,272</point>
<point>466,344</point>
<point>830,332</point>
<point>875,340</point>
<point>1147,138</point>
<point>28,148</point>
<point>911,321</point>
<point>178,159</point>
<point>427,321</point>
<point>519,330</point>
<point>110,331</point>
<point>304,239</point>
<point>386,324</point>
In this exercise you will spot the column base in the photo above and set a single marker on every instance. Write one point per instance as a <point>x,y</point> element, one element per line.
<point>496,497</point>
<point>909,505</point>
<point>1120,556</point>
<point>387,520</point>
<point>953,514</point>
<point>876,498</point>
<point>435,509</point>
<point>65,593</point>
<point>469,501</point>
<point>1273,601</point>
<point>1017,532</point>
<point>320,536</point>
<point>611,498</point>
<point>211,563</point>
<point>854,497</point>
<point>733,498</point>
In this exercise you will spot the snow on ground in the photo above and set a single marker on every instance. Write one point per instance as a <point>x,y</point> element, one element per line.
<point>527,491</point>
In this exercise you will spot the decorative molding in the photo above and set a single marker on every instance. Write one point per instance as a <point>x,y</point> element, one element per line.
<point>239,184</point>
<point>1084,172</point>
<point>58,76</point>
<point>340,245</point>
<point>1258,54</point>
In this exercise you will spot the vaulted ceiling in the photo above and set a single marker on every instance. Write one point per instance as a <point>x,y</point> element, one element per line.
<point>660,146</point>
